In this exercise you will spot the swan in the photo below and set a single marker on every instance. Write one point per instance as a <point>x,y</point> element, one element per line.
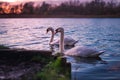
<point>80,51</point>
<point>52,36</point>
<point>68,41</point>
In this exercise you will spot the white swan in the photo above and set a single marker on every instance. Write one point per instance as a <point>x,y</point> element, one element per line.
<point>68,41</point>
<point>80,51</point>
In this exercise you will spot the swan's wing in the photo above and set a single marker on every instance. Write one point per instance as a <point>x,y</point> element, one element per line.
<point>88,52</point>
<point>69,41</point>
<point>83,52</point>
<point>72,52</point>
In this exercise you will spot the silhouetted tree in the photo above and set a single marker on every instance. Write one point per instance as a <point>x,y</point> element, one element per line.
<point>44,8</point>
<point>28,8</point>
<point>110,8</point>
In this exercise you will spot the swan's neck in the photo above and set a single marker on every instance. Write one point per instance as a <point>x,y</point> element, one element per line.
<point>52,37</point>
<point>61,42</point>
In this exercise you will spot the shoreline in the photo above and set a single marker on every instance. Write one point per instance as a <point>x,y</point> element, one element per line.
<point>57,16</point>
<point>32,65</point>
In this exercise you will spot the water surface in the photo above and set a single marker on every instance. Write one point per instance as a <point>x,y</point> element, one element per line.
<point>102,34</point>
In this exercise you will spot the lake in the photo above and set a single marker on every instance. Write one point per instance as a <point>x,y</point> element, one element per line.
<point>100,33</point>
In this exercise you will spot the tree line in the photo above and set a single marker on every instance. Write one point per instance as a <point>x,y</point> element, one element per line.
<point>72,7</point>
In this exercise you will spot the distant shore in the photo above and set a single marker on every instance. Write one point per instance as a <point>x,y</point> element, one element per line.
<point>57,16</point>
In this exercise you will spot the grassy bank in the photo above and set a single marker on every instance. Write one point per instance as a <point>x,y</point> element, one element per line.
<point>55,70</point>
<point>38,65</point>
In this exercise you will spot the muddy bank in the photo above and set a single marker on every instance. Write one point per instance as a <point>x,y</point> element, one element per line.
<point>22,64</point>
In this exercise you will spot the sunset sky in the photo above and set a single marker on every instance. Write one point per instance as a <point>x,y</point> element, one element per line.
<point>45,0</point>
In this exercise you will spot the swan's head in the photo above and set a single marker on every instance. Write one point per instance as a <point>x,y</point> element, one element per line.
<point>60,29</point>
<point>49,29</point>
